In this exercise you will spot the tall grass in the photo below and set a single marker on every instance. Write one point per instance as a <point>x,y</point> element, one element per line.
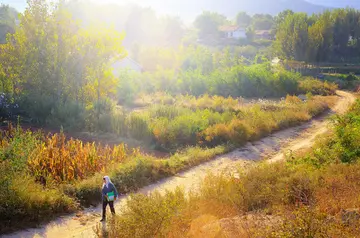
<point>72,160</point>
<point>73,173</point>
<point>74,170</point>
<point>309,195</point>
<point>175,127</point>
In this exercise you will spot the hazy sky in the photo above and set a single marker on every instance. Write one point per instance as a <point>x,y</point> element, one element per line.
<point>160,5</point>
<point>18,4</point>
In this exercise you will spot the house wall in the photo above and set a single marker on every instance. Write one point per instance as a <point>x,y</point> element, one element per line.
<point>236,34</point>
<point>239,34</point>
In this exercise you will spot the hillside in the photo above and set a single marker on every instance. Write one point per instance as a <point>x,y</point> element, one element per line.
<point>336,3</point>
<point>188,9</point>
<point>231,7</point>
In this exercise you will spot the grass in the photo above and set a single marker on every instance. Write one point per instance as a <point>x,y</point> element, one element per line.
<point>73,169</point>
<point>216,120</point>
<point>309,195</point>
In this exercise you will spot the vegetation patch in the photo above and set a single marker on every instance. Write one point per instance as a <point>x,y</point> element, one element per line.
<point>312,195</point>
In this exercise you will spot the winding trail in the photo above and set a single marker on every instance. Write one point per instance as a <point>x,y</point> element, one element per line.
<point>271,148</point>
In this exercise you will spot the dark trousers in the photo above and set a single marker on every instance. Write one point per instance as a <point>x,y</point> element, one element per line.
<point>111,204</point>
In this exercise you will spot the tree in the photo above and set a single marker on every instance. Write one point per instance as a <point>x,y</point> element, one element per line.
<point>8,16</point>
<point>280,18</point>
<point>292,37</point>
<point>52,56</point>
<point>208,24</point>
<point>174,31</point>
<point>250,33</point>
<point>243,19</point>
<point>262,22</point>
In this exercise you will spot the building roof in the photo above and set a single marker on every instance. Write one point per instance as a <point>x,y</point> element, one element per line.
<point>230,28</point>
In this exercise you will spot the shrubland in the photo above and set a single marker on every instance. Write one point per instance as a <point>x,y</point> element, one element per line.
<point>73,169</point>
<point>311,194</point>
<point>215,120</point>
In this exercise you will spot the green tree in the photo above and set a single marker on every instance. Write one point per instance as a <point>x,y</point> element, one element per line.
<point>280,18</point>
<point>250,33</point>
<point>174,30</point>
<point>52,58</point>
<point>208,24</point>
<point>262,22</point>
<point>292,37</point>
<point>243,19</point>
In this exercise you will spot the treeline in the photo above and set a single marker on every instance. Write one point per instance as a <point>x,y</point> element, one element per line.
<point>333,36</point>
<point>197,70</point>
<point>208,23</point>
<point>51,61</point>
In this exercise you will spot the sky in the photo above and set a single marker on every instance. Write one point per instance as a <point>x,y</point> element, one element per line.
<point>158,4</point>
<point>18,4</point>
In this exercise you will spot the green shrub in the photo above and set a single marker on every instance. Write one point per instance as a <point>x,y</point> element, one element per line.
<point>69,115</point>
<point>118,123</point>
<point>348,136</point>
<point>24,201</point>
<point>38,107</point>
<point>138,126</point>
<point>317,87</point>
<point>155,215</point>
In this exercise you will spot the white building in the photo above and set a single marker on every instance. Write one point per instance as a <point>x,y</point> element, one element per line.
<point>233,32</point>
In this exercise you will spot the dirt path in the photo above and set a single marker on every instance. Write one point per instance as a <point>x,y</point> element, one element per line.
<point>271,148</point>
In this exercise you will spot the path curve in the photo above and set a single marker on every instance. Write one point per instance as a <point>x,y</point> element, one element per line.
<point>300,137</point>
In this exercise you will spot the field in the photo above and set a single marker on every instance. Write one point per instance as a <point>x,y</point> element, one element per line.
<point>313,193</point>
<point>72,169</point>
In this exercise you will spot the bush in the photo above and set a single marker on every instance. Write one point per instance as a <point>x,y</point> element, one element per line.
<point>38,107</point>
<point>69,115</point>
<point>138,126</point>
<point>23,201</point>
<point>317,87</point>
<point>155,215</point>
<point>72,160</point>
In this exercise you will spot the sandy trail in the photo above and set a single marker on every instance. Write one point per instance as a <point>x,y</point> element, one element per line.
<point>271,148</point>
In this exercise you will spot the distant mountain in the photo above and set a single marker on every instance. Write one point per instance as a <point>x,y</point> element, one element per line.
<point>191,8</point>
<point>337,3</point>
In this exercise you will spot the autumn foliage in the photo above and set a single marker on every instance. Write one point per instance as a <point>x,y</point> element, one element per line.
<point>73,159</point>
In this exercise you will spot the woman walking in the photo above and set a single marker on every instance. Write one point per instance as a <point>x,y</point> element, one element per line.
<point>109,195</point>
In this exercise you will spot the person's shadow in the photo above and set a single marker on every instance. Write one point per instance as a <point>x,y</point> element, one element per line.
<point>101,230</point>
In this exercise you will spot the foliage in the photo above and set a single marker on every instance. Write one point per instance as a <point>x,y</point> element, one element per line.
<point>347,135</point>
<point>317,87</point>
<point>72,160</point>
<point>328,37</point>
<point>156,214</point>
<point>312,194</point>
<point>224,78</point>
<point>344,81</point>
<point>54,67</point>
<point>22,201</point>
<point>243,19</point>
<point>8,15</point>
<point>298,200</point>
<point>208,23</point>
<point>215,120</point>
